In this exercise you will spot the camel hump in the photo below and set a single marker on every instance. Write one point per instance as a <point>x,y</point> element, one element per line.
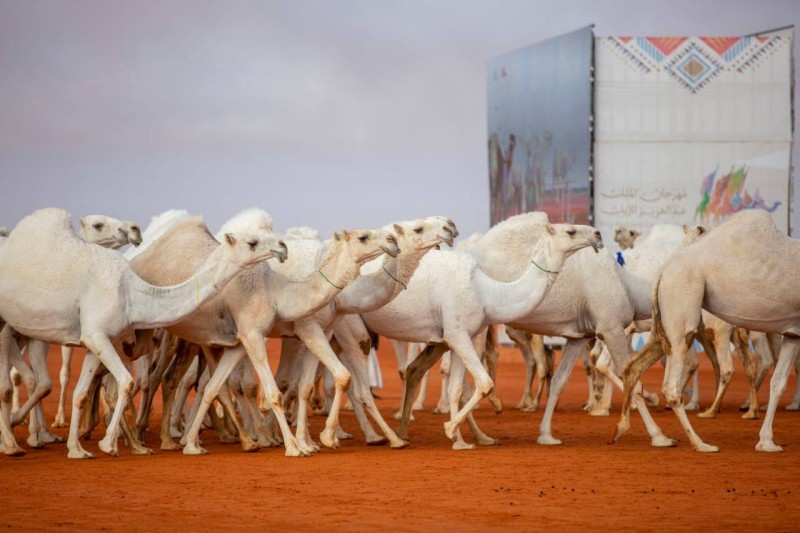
<point>44,221</point>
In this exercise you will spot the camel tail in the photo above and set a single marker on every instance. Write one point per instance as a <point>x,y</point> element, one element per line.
<point>658,326</point>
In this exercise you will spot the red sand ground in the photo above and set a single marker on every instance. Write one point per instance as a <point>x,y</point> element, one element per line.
<point>581,485</point>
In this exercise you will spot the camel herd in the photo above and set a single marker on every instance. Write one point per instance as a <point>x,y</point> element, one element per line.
<point>182,307</point>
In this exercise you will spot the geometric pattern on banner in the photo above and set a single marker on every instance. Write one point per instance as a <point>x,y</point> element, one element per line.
<point>694,61</point>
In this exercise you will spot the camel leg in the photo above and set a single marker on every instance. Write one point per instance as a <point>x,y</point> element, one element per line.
<point>722,337</point>
<point>230,358</point>
<point>454,393</point>
<point>588,370</point>
<point>254,343</point>
<point>572,350</point>
<point>603,366</point>
<point>10,446</point>
<point>617,345</point>
<point>692,365</point>
<point>481,438</point>
<point>316,341</point>
<point>776,387</point>
<point>443,406</point>
<point>650,353</point>
<point>414,374</point>
<point>490,357</point>
<point>102,347</point>
<point>165,354</point>
<point>741,344</point>
<point>39,433</point>
<point>419,401</point>
<point>465,348</point>
<point>16,380</point>
<point>63,379</point>
<point>795,405</point>
<point>356,362</point>
<point>543,359</point>
<point>135,446</point>
<point>523,342</point>
<point>305,372</point>
<point>672,391</point>
<point>169,383</point>
<point>80,399</point>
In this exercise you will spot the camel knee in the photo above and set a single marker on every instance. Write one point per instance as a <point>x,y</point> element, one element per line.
<point>725,374</point>
<point>42,390</point>
<point>16,378</point>
<point>485,386</point>
<point>6,393</point>
<point>343,379</point>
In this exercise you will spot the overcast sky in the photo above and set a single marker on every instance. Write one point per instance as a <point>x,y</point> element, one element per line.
<point>332,114</point>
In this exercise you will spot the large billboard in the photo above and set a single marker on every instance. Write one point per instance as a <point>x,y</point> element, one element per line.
<point>691,130</point>
<point>539,134</point>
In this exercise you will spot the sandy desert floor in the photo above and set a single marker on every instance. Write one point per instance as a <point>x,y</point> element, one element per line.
<point>584,484</point>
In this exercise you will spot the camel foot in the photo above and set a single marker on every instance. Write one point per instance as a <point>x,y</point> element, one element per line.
<point>461,445</point>
<point>441,410</point>
<point>450,430</point>
<point>402,432</point>
<point>662,441</point>
<point>227,438</point>
<point>342,434</point>
<point>399,414</point>
<point>486,440</point>
<point>419,406</point>
<point>708,413</point>
<point>692,406</point>
<point>108,446</point>
<point>399,444</point>
<point>497,405</point>
<point>706,448</point>
<point>170,446</point>
<point>619,430</point>
<point>651,399</point>
<point>794,406</point>
<point>745,406</point>
<point>80,454</point>
<point>377,441</point>
<point>48,438</point>
<point>750,415</point>
<point>142,450</point>
<point>59,423</point>
<point>768,446</point>
<point>329,439</point>
<point>250,446</point>
<point>548,440</point>
<point>175,433</point>
<point>34,442</point>
<point>194,449</point>
<point>531,407</point>
<point>307,447</point>
<point>598,411</point>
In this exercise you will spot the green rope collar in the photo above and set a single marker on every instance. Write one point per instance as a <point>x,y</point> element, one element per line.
<point>394,278</point>
<point>544,269</point>
<point>329,281</point>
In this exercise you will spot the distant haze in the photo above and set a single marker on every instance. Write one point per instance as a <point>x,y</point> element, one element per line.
<point>327,114</point>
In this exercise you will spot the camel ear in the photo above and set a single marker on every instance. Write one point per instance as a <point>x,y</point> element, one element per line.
<point>701,230</point>
<point>398,229</point>
<point>617,232</point>
<point>83,222</point>
<point>346,234</point>
<point>635,233</point>
<point>337,236</point>
<point>550,229</point>
<point>230,239</point>
<point>685,229</point>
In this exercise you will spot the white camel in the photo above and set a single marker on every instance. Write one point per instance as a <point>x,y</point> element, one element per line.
<point>381,281</point>
<point>591,296</point>
<point>744,272</point>
<point>108,232</point>
<point>60,289</point>
<point>626,238</point>
<point>239,320</point>
<point>451,300</point>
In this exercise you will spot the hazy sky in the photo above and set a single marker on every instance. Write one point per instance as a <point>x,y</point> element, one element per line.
<point>331,114</point>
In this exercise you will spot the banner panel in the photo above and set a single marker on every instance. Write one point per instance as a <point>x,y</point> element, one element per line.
<point>692,129</point>
<point>539,107</point>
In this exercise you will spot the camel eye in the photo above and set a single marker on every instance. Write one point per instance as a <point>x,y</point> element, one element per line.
<point>252,244</point>
<point>417,230</point>
<point>571,232</point>
<point>362,239</point>
<point>136,229</point>
<point>98,226</point>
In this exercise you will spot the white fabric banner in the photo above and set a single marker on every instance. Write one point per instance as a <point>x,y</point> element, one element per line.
<point>691,129</point>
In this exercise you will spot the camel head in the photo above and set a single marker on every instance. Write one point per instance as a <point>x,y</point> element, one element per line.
<point>109,232</point>
<point>692,233</point>
<point>625,237</point>
<point>365,245</point>
<point>570,238</point>
<point>425,233</point>
<point>246,249</point>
